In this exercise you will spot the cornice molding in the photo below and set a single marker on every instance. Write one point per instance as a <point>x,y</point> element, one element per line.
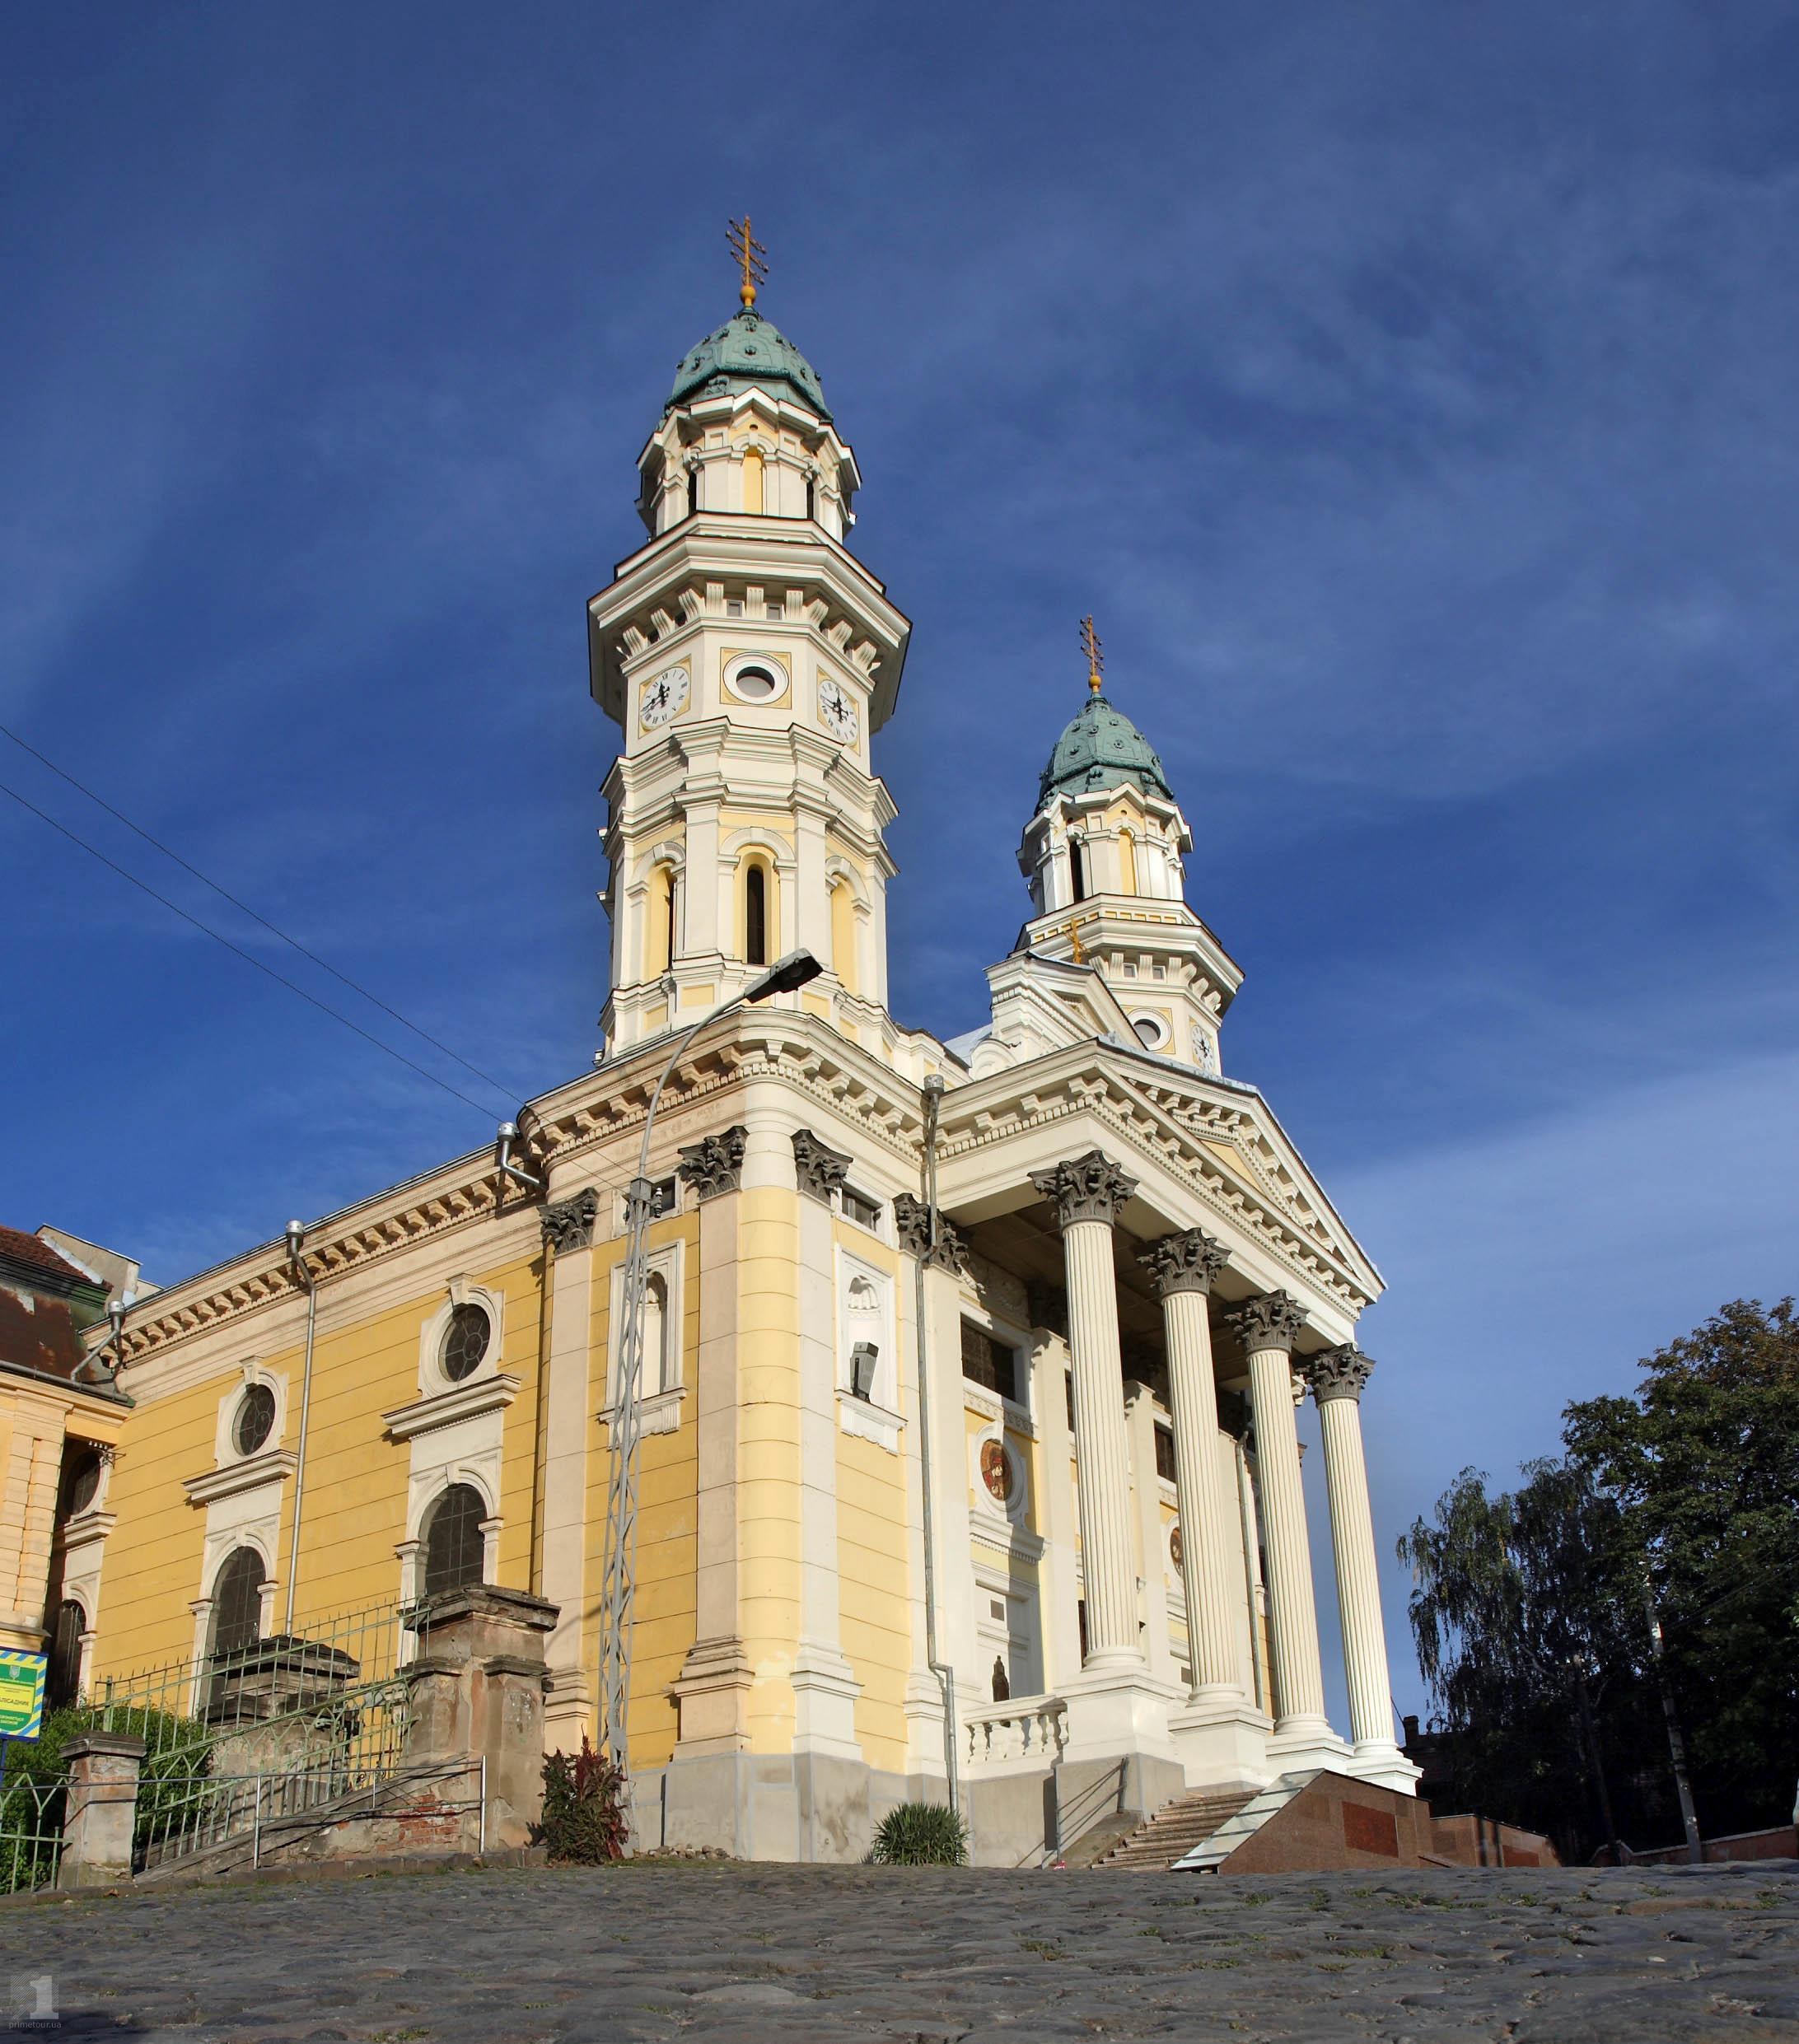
<point>466,1400</point>
<point>274,1465</point>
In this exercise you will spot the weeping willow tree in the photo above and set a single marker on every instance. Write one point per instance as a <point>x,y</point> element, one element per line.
<point>1529,1633</point>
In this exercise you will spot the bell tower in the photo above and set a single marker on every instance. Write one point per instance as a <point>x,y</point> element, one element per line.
<point>1103,859</point>
<point>748,657</point>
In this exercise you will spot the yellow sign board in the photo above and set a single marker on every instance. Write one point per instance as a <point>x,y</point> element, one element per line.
<point>21,1693</point>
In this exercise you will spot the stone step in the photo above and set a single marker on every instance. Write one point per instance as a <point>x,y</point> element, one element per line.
<point>1174,1831</point>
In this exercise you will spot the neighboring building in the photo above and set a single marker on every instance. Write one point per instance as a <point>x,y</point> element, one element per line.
<point>60,1420</point>
<point>1136,1277</point>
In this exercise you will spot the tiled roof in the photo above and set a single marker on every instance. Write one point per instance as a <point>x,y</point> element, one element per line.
<point>34,1250</point>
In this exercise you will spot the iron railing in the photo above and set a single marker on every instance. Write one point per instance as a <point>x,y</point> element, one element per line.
<point>30,1834</point>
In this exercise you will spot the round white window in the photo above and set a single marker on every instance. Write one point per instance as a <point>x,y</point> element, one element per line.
<point>753,680</point>
<point>1150,1030</point>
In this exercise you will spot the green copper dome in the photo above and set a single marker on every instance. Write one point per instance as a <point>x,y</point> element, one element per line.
<point>746,350</point>
<point>1101,748</point>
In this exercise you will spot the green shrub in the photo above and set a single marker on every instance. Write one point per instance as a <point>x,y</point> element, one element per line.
<point>921,1835</point>
<point>176,1750</point>
<point>583,1823</point>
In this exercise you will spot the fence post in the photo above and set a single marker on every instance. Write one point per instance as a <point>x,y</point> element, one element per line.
<point>475,1695</point>
<point>101,1811</point>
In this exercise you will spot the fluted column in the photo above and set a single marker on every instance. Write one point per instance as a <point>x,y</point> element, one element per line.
<point>1088,1192</point>
<point>1269,1327</point>
<point>1183,1266</point>
<point>1337,1378</point>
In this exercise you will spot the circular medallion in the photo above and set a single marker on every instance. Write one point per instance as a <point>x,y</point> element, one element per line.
<point>1177,1550</point>
<point>996,1471</point>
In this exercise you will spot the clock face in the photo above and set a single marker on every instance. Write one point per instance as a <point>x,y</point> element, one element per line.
<point>663,697</point>
<point>836,713</point>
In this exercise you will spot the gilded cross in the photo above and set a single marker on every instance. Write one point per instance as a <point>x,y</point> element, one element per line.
<point>751,257</point>
<point>1095,657</point>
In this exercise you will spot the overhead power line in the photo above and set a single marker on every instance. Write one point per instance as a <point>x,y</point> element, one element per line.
<point>225,894</point>
<point>249,957</point>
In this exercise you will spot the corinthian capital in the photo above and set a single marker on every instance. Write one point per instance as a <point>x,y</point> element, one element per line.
<point>1339,1373</point>
<point>820,1169</point>
<point>1091,1188</point>
<point>911,1222</point>
<point>1185,1262</point>
<point>714,1165</point>
<point>1272,1320</point>
<point>567,1223</point>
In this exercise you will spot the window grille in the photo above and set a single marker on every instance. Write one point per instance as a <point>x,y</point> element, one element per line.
<point>465,1341</point>
<point>256,1418</point>
<point>456,1549</point>
<point>62,1678</point>
<point>81,1481</point>
<point>987,1362</point>
<point>237,1603</point>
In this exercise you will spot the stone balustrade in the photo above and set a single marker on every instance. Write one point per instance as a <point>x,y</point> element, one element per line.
<point>1032,1729</point>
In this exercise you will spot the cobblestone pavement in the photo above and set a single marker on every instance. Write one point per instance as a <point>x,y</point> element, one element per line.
<point>800,1955</point>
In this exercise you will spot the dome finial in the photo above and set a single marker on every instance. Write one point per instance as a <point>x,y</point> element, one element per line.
<point>1095,657</point>
<point>751,257</point>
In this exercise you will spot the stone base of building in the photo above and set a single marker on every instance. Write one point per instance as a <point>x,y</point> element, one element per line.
<point>804,1808</point>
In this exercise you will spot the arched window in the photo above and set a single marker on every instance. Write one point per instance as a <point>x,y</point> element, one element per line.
<point>752,481</point>
<point>1127,861</point>
<point>80,1480</point>
<point>844,937</point>
<point>755,916</point>
<point>1078,868</point>
<point>455,1548</point>
<point>654,1378</point>
<point>237,1603</point>
<point>811,498</point>
<point>63,1679</point>
<point>670,913</point>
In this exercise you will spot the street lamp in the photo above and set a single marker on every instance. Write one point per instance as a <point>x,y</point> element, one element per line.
<point>786,975</point>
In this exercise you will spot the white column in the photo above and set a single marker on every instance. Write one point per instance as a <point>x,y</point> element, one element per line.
<point>1183,1266</point>
<point>1088,1193</point>
<point>1269,1327</point>
<point>1337,1378</point>
<point>1152,1582</point>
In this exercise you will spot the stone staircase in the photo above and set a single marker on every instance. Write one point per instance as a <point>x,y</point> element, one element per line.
<point>1175,1830</point>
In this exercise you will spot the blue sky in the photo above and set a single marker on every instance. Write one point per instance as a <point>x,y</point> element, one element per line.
<point>1410,390</point>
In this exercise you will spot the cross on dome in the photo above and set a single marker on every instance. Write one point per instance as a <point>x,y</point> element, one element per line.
<point>750,256</point>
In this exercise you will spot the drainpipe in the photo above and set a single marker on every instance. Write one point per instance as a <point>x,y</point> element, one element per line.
<point>296,1263</point>
<point>945,1675</point>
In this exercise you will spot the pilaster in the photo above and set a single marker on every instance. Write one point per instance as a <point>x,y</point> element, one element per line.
<point>568,1225</point>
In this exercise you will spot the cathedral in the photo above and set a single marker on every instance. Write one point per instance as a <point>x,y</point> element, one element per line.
<point>961,1410</point>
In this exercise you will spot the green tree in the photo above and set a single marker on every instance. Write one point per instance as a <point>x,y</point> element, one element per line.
<point>1528,1631</point>
<point>1703,1466</point>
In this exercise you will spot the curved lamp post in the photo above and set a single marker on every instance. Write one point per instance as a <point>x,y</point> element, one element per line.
<point>786,973</point>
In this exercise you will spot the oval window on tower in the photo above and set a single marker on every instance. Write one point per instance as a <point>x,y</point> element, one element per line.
<point>755,680</point>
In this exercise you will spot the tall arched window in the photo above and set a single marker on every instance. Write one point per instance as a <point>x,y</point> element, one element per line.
<point>755,916</point>
<point>237,1603</point>
<point>655,1363</point>
<point>1078,868</point>
<point>455,1548</point>
<point>752,482</point>
<point>1127,861</point>
<point>665,921</point>
<point>844,937</point>
<point>63,1679</point>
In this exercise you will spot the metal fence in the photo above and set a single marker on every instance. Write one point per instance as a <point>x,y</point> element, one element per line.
<point>270,1728</point>
<point>30,1834</point>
